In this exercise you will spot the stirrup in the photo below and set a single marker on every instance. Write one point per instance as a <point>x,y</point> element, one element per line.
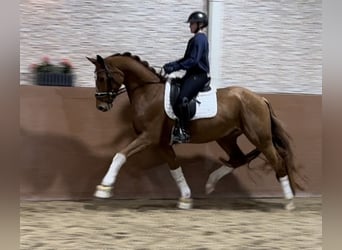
<point>181,137</point>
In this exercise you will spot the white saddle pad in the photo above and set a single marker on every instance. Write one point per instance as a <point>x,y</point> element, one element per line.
<point>206,108</point>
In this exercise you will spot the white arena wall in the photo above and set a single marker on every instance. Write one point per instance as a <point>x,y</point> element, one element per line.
<point>267,46</point>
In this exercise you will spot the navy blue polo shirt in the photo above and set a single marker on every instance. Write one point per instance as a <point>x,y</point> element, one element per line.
<point>196,55</point>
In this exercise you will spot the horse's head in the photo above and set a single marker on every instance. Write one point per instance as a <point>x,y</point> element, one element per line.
<point>108,81</point>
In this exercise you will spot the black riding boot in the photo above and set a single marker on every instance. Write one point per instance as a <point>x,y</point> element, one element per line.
<point>180,134</point>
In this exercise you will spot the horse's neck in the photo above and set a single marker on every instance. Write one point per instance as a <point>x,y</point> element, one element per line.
<point>143,87</point>
<point>144,93</point>
<point>138,77</point>
<point>134,67</point>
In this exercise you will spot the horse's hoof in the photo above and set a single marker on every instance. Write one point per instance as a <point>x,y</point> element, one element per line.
<point>209,188</point>
<point>103,192</point>
<point>184,203</point>
<point>290,206</point>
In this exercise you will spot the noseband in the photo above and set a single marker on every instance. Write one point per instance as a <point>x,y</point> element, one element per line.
<point>110,92</point>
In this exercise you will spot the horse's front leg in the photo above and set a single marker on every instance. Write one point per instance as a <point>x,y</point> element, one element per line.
<point>105,189</point>
<point>185,201</point>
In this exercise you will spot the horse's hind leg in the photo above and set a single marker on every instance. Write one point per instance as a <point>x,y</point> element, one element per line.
<point>236,159</point>
<point>264,143</point>
<point>185,201</point>
<point>277,163</point>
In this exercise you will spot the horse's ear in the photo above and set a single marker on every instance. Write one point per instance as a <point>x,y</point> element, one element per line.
<point>100,60</point>
<point>92,60</point>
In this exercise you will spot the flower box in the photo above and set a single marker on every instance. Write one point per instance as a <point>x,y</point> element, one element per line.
<point>47,74</point>
<point>54,79</point>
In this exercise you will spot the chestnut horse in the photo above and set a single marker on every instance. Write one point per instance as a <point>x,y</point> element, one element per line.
<point>239,111</point>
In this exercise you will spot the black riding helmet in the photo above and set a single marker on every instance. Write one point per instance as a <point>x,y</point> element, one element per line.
<point>198,17</point>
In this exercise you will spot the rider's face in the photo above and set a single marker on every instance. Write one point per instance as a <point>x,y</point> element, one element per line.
<point>193,27</point>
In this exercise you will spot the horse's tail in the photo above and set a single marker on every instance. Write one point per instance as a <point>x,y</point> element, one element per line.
<point>282,142</point>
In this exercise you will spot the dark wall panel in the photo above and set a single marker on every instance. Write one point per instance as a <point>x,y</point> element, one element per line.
<point>67,146</point>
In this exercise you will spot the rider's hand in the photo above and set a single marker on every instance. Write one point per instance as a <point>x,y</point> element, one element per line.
<point>171,67</point>
<point>168,69</point>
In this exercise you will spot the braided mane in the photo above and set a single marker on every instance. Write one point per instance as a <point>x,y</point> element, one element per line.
<point>145,63</point>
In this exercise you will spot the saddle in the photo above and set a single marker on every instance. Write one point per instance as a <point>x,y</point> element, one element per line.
<point>174,92</point>
<point>205,102</point>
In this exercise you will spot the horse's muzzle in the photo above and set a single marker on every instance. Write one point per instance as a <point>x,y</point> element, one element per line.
<point>103,106</point>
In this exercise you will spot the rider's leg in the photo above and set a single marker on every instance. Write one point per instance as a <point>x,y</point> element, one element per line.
<point>180,132</point>
<point>190,87</point>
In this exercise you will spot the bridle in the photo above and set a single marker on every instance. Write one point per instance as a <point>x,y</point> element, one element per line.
<point>110,92</point>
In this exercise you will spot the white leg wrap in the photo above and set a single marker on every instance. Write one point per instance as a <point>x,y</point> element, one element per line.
<point>219,173</point>
<point>215,176</point>
<point>178,176</point>
<point>285,184</point>
<point>109,179</point>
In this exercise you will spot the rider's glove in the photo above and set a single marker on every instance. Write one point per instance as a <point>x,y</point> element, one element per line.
<point>171,67</point>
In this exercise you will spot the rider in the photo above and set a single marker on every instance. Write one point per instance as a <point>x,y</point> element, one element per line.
<point>196,64</point>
